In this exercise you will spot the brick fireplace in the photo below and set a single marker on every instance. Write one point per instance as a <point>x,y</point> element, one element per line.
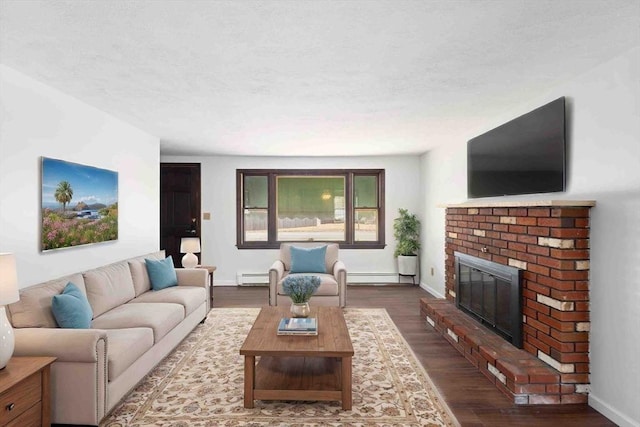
<point>549,242</point>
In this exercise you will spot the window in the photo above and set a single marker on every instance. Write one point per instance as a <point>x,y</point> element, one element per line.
<point>256,203</point>
<point>345,206</point>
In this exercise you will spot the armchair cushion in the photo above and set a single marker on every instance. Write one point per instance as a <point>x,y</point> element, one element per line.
<point>308,260</point>
<point>328,284</point>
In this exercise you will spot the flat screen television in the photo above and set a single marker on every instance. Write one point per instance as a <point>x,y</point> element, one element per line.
<point>523,156</point>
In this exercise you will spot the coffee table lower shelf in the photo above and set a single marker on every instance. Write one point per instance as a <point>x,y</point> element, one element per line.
<point>298,378</point>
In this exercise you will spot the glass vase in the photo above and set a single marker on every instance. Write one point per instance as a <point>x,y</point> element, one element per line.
<point>300,309</point>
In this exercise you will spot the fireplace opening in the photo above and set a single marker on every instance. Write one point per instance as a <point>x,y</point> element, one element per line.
<point>491,293</point>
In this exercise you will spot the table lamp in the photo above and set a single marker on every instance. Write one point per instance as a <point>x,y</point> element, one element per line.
<point>189,246</point>
<point>8,294</point>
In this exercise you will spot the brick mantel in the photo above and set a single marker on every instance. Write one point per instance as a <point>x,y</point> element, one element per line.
<point>520,204</point>
<point>549,240</point>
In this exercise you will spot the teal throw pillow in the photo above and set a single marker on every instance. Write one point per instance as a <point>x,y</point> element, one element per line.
<point>161,273</point>
<point>308,260</point>
<point>71,308</point>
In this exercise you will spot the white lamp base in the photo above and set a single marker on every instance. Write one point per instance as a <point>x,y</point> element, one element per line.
<point>7,340</point>
<point>189,261</point>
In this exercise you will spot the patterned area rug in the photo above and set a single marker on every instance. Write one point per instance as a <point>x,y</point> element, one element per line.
<point>201,382</point>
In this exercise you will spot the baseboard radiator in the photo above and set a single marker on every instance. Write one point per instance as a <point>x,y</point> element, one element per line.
<point>369,278</point>
<point>246,278</point>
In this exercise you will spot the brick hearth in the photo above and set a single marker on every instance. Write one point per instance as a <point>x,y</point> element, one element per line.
<point>549,241</point>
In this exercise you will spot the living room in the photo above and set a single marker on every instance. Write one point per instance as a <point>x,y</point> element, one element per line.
<point>41,119</point>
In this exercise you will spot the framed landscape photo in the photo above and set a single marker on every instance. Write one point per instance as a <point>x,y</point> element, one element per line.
<point>79,204</point>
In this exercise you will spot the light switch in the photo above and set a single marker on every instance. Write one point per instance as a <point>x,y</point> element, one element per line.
<point>206,216</point>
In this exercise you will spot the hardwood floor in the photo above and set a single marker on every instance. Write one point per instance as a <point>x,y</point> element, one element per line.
<point>472,398</point>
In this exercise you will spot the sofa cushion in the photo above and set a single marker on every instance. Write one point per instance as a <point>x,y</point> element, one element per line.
<point>71,308</point>
<point>189,297</point>
<point>161,273</point>
<point>160,317</point>
<point>125,347</point>
<point>328,284</point>
<point>139,274</point>
<point>34,308</point>
<point>308,260</point>
<point>109,287</point>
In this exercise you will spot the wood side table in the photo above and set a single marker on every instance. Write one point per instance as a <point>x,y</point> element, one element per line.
<point>211,269</point>
<point>25,392</point>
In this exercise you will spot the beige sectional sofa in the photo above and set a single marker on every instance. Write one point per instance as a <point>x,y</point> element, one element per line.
<point>133,328</point>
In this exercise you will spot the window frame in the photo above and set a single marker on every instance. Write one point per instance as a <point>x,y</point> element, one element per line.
<point>272,174</point>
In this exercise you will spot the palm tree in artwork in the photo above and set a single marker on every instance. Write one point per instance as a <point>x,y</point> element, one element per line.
<point>64,193</point>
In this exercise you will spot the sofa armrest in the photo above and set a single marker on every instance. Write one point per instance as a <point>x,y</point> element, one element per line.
<point>340,273</point>
<point>276,272</point>
<point>79,374</point>
<point>193,277</point>
<point>68,345</point>
<point>277,268</point>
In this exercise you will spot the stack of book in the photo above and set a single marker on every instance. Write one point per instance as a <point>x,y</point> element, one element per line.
<point>298,326</point>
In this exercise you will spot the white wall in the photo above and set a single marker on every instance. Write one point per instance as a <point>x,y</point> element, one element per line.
<point>402,179</point>
<point>37,120</point>
<point>444,178</point>
<point>603,165</point>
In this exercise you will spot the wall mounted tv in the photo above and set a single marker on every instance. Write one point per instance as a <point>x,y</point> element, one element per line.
<point>523,156</point>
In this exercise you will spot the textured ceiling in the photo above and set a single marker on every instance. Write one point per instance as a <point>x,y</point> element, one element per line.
<point>311,77</point>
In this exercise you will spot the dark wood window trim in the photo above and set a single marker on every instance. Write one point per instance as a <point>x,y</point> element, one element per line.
<point>272,174</point>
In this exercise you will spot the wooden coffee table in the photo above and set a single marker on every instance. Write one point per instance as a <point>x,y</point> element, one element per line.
<point>298,367</point>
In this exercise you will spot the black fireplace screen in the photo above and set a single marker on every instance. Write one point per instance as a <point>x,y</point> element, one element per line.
<point>490,292</point>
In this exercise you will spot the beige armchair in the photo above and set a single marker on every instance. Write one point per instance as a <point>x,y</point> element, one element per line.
<point>333,285</point>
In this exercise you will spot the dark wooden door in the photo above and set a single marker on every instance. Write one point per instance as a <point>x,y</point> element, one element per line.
<point>179,206</point>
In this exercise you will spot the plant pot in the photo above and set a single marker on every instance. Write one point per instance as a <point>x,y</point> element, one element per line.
<point>407,265</point>
<point>300,309</point>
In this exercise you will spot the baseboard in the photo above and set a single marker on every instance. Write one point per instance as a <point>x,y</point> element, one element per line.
<point>223,283</point>
<point>380,284</point>
<point>357,278</point>
<point>431,290</point>
<point>371,278</point>
<point>217,283</point>
<point>613,414</point>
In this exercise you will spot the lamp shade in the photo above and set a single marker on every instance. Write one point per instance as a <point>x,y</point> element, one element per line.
<point>8,279</point>
<point>8,294</point>
<point>190,245</point>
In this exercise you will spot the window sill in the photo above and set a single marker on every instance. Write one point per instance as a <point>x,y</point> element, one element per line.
<point>276,245</point>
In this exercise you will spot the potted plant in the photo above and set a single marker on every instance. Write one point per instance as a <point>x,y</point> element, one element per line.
<point>300,290</point>
<point>406,230</point>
